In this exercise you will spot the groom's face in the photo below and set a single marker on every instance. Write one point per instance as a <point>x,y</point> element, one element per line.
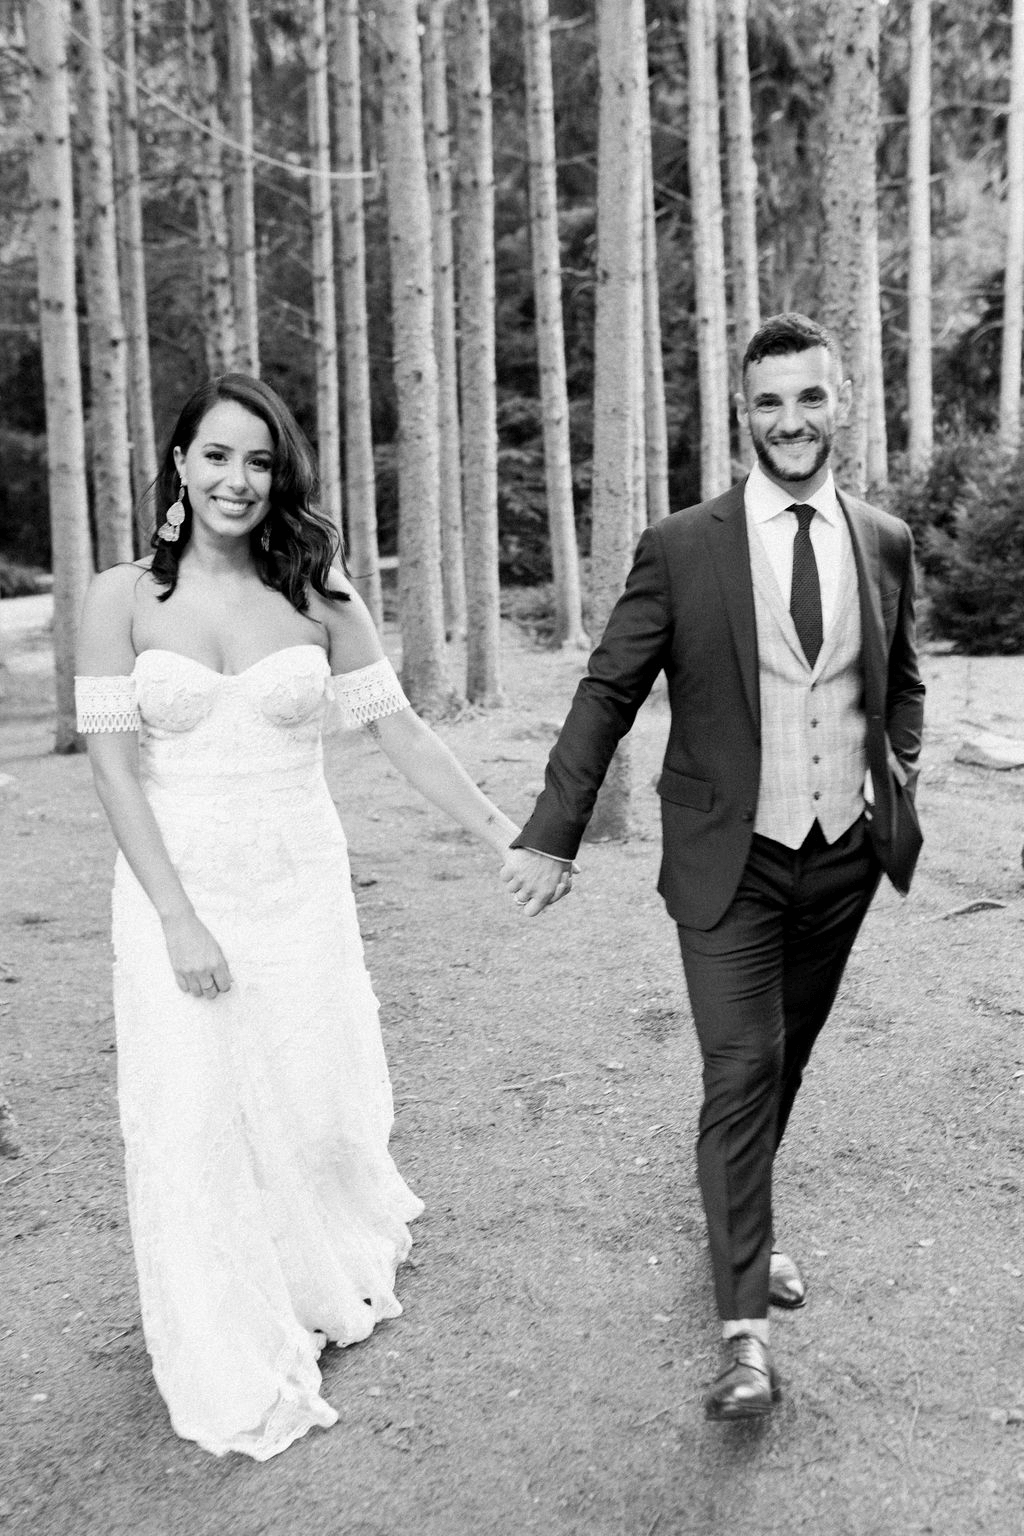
<point>792,404</point>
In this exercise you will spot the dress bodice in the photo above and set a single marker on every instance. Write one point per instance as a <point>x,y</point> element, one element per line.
<point>201,726</point>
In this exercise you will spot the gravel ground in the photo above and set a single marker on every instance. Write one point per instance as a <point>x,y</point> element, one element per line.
<point>547,1372</point>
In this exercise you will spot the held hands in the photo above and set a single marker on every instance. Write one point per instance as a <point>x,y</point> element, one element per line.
<point>198,960</point>
<point>534,880</point>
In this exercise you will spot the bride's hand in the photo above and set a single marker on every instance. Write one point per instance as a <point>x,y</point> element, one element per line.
<point>198,960</point>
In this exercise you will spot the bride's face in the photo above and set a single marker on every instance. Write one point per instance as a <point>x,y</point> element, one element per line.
<point>227,469</point>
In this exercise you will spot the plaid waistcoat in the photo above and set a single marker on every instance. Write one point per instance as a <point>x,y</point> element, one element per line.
<point>813,757</point>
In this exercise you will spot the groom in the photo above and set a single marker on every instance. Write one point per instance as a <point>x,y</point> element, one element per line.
<point>782,614</point>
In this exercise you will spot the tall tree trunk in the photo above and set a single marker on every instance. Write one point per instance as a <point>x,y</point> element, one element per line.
<point>216,290</point>
<point>439,181</point>
<point>477,365</point>
<point>878,446</point>
<point>325,317</point>
<point>1013,293</point>
<point>618,361</point>
<point>241,187</point>
<point>746,298</point>
<point>656,499</point>
<point>360,480</point>
<point>424,672</point>
<point>131,260</point>
<point>655,418</point>
<point>919,211</point>
<point>108,353</point>
<point>45,40</point>
<point>708,248</point>
<point>547,288</point>
<point>849,199</point>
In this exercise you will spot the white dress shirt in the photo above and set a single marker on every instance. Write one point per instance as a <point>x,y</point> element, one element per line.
<point>769,519</point>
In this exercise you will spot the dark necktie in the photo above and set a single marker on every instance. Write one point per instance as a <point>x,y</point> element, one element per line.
<point>805,593</point>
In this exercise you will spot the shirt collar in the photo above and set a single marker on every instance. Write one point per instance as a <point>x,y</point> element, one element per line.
<point>764,499</point>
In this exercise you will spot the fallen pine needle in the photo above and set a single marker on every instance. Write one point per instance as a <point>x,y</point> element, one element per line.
<point>114,1338</point>
<point>39,1160</point>
<point>533,1082</point>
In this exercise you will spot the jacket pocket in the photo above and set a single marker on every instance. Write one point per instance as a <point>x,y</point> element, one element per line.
<point>698,794</point>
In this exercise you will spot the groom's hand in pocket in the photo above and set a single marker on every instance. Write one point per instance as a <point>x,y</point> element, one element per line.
<point>535,880</point>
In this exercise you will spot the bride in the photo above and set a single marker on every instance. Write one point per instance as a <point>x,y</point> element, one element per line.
<point>267,1215</point>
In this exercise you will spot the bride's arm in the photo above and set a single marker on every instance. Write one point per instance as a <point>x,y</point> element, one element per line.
<point>105,652</point>
<point>371,696</point>
<point>431,767</point>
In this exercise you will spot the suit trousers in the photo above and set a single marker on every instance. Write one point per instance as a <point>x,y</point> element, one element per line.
<point>761,985</point>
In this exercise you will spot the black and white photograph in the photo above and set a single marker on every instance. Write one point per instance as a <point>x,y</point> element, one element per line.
<point>512,768</point>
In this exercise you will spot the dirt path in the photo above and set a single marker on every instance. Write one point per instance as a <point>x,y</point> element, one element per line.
<point>545,1377</point>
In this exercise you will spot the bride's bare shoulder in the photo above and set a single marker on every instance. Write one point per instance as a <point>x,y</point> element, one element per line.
<point>353,639</point>
<point>119,582</point>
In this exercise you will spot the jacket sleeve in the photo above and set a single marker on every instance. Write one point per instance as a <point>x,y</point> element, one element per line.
<point>620,675</point>
<point>904,704</point>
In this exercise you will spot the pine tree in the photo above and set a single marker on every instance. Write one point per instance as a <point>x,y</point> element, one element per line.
<point>618,360</point>
<point>360,479</point>
<point>655,424</point>
<point>58,323</point>
<point>708,248</point>
<point>919,267</point>
<point>241,188</point>
<point>108,352</point>
<point>325,323</point>
<point>547,287</point>
<point>746,298</point>
<point>439,181</point>
<point>205,93</point>
<point>424,669</point>
<point>476,356</point>
<point>1013,289</point>
<point>848,240</point>
<point>131,257</point>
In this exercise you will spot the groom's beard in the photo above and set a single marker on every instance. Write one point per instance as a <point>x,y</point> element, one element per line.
<point>779,470</point>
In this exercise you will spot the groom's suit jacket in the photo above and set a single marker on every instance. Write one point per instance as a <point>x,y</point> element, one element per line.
<point>688,609</point>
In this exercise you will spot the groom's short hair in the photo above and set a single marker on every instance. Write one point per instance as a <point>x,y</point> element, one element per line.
<point>790,332</point>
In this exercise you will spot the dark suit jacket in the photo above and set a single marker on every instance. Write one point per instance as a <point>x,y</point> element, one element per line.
<point>688,608</point>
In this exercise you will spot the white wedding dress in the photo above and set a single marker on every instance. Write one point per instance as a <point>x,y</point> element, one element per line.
<point>266,1212</point>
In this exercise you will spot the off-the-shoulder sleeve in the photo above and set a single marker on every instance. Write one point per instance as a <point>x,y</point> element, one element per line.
<point>368,693</point>
<point>106,704</point>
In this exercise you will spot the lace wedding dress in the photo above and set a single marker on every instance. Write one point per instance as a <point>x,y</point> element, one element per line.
<point>266,1212</point>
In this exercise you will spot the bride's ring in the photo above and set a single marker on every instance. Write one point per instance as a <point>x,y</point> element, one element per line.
<point>521,901</point>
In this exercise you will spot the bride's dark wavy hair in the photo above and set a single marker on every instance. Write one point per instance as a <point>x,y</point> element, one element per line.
<point>304,544</point>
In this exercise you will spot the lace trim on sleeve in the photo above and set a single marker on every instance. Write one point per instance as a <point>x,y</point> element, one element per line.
<point>106,704</point>
<point>368,693</point>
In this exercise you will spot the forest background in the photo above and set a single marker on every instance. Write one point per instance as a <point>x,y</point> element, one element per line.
<point>959,485</point>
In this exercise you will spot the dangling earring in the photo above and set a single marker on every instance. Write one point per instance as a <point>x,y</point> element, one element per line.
<point>168,530</point>
<point>265,537</point>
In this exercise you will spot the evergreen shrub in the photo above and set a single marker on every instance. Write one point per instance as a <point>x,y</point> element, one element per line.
<point>967,515</point>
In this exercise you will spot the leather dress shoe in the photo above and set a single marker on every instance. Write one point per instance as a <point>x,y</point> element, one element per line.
<point>786,1288</point>
<point>747,1385</point>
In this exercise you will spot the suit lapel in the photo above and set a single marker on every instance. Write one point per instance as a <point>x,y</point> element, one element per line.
<point>730,557</point>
